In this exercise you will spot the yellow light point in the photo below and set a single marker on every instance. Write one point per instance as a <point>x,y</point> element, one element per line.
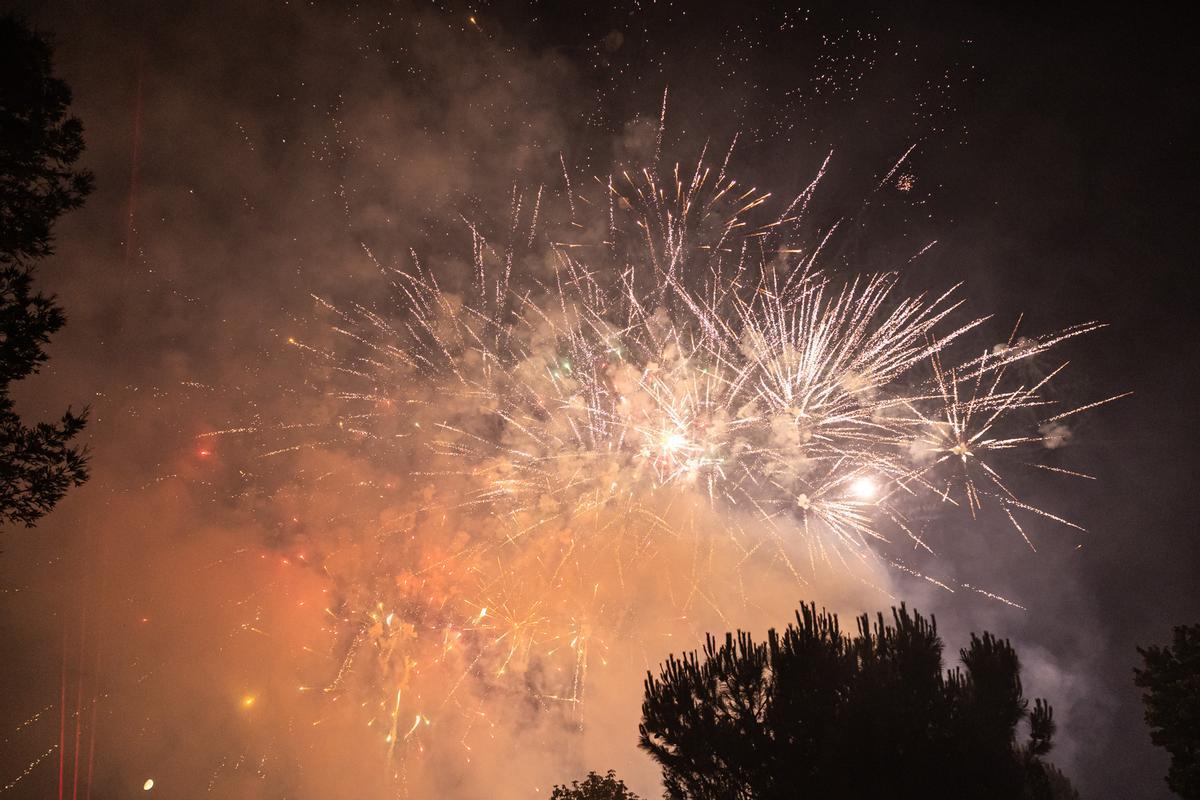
<point>961,449</point>
<point>148,785</point>
<point>248,701</point>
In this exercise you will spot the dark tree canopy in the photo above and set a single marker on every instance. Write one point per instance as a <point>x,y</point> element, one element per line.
<point>39,145</point>
<point>814,713</point>
<point>1171,678</point>
<point>595,787</point>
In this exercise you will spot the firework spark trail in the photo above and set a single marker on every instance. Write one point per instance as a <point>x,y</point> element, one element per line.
<point>679,380</point>
<point>62,717</point>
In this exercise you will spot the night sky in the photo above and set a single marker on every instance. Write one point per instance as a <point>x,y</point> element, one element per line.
<point>245,159</point>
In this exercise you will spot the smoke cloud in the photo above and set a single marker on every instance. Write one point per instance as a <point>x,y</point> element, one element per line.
<point>212,589</point>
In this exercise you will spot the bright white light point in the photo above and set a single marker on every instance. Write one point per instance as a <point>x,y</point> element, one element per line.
<point>864,488</point>
<point>148,785</point>
<point>674,441</point>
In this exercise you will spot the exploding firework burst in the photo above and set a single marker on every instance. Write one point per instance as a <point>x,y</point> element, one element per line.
<point>616,419</point>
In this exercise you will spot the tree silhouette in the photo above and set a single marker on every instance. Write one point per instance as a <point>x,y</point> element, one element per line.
<point>595,787</point>
<point>814,713</point>
<point>39,145</point>
<point>1171,679</point>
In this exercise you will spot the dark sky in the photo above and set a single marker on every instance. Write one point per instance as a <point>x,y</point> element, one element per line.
<point>259,149</point>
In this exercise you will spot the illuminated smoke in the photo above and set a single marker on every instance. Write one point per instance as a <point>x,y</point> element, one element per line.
<point>655,406</point>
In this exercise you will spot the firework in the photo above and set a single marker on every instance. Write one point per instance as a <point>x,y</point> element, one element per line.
<point>623,411</point>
